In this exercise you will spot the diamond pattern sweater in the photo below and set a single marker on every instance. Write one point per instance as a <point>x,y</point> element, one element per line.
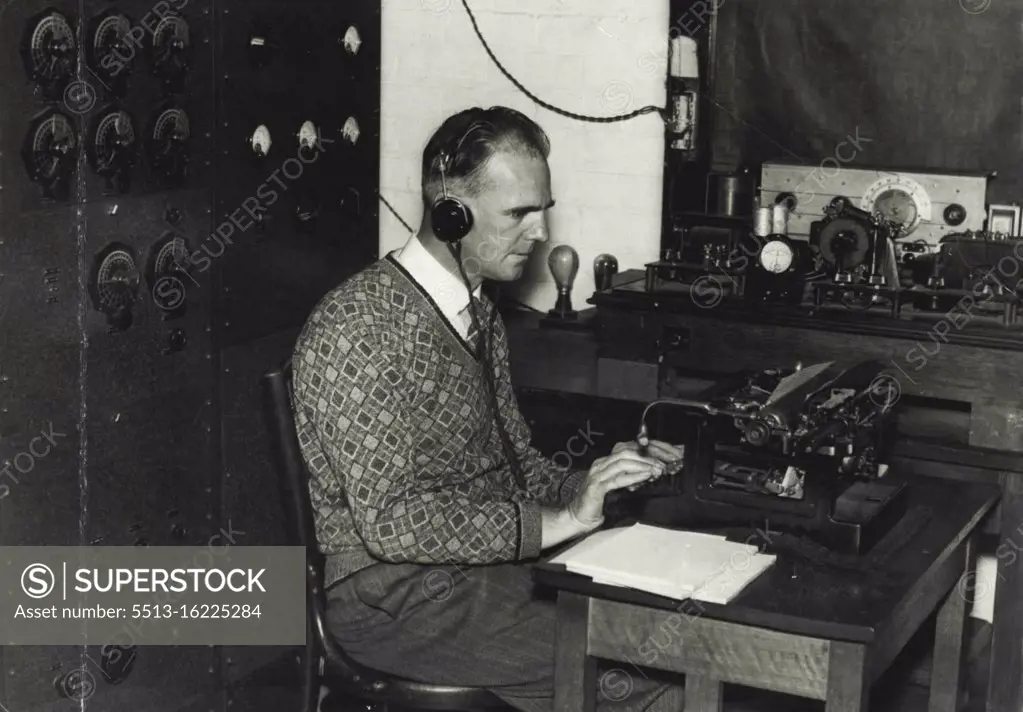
<point>405,461</point>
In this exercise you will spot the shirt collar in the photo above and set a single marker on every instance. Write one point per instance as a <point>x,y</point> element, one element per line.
<point>446,289</point>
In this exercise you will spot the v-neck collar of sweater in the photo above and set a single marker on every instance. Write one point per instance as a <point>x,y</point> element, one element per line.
<point>438,312</point>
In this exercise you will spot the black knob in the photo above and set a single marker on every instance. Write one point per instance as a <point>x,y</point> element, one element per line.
<point>788,200</point>
<point>176,340</point>
<point>172,216</point>
<point>954,214</point>
<point>757,433</point>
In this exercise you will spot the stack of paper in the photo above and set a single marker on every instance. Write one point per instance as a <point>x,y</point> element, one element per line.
<point>668,562</point>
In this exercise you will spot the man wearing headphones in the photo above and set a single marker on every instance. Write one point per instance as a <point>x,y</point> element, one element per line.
<point>429,500</point>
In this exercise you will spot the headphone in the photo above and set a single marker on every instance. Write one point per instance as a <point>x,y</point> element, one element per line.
<point>450,218</point>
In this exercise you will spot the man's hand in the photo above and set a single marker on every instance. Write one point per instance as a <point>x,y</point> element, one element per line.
<point>628,465</point>
<point>665,452</point>
<point>670,455</point>
<point>624,467</point>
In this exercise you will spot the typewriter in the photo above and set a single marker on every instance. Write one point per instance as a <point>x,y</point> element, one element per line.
<point>797,450</point>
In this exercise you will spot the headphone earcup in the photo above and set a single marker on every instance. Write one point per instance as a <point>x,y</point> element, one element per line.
<point>450,219</point>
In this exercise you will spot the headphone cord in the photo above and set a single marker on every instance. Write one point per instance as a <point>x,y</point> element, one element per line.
<point>550,107</point>
<point>486,358</point>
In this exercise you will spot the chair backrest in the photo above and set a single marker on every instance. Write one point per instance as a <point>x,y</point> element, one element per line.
<point>343,674</point>
<point>278,405</point>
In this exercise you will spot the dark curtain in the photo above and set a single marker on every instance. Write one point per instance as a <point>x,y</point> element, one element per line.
<point>930,84</point>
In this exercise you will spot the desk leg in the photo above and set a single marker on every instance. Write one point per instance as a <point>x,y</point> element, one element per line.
<point>1005,684</point>
<point>848,678</point>
<point>575,672</point>
<point>946,668</point>
<point>702,694</point>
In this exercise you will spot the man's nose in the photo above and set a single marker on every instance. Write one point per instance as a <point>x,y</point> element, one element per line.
<point>538,233</point>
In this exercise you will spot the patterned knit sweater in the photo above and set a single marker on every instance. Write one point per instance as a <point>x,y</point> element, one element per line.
<point>405,461</point>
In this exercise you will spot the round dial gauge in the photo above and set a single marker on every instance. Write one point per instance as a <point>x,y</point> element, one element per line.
<point>170,48</point>
<point>110,52</point>
<point>776,256</point>
<point>171,256</point>
<point>49,154</point>
<point>49,52</point>
<point>899,199</point>
<point>168,143</point>
<point>897,206</point>
<point>113,143</point>
<point>116,279</point>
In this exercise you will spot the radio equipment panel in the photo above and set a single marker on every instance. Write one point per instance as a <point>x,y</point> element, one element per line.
<point>927,205</point>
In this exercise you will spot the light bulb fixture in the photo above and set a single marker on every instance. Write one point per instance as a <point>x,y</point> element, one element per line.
<point>605,267</point>
<point>563,263</point>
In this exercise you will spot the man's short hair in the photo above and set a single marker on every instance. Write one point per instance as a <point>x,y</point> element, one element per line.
<point>465,142</point>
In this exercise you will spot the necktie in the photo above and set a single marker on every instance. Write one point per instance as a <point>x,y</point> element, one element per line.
<point>472,336</point>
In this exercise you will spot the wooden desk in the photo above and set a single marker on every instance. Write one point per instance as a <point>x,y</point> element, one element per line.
<point>801,628</point>
<point>638,352</point>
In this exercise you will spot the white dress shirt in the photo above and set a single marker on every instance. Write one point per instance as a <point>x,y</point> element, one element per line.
<point>446,289</point>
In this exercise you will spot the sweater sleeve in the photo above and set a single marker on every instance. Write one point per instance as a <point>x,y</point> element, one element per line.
<point>550,481</point>
<point>351,391</point>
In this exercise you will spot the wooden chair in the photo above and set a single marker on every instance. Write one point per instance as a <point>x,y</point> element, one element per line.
<point>349,684</point>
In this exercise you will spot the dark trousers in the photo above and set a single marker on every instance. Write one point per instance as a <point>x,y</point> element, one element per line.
<point>482,626</point>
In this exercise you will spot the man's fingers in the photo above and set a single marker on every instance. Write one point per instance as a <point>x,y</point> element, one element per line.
<point>629,479</point>
<point>665,451</point>
<point>638,468</point>
<point>631,456</point>
<point>603,464</point>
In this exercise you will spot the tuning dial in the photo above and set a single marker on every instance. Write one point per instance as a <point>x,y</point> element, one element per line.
<point>114,283</point>
<point>170,51</point>
<point>48,50</point>
<point>50,153</point>
<point>111,149</point>
<point>167,274</point>
<point>110,52</point>
<point>168,145</point>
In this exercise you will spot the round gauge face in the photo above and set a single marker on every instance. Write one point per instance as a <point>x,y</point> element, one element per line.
<point>900,199</point>
<point>896,205</point>
<point>776,256</point>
